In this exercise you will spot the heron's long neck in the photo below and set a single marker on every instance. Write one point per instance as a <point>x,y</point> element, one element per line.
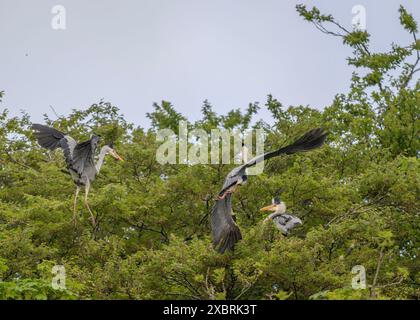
<point>281,208</point>
<point>101,159</point>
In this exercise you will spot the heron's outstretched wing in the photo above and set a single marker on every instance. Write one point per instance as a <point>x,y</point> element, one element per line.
<point>48,138</point>
<point>311,140</point>
<point>51,139</point>
<point>84,155</point>
<point>224,229</point>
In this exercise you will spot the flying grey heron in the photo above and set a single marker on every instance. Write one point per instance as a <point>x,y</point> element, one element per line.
<point>80,159</point>
<point>225,231</point>
<point>283,221</point>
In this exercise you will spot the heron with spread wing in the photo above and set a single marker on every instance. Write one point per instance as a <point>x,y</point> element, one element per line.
<point>80,159</point>
<point>225,231</point>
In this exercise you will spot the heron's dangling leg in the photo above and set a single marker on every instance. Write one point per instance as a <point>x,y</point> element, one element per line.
<point>228,191</point>
<point>87,204</point>
<point>75,205</point>
<point>219,197</point>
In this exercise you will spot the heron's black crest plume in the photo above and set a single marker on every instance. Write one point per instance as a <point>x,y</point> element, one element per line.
<point>277,197</point>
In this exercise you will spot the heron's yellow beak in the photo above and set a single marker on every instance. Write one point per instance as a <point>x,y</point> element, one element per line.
<point>271,207</point>
<point>116,155</point>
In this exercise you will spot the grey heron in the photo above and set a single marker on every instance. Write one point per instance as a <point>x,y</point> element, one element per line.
<point>79,157</point>
<point>283,221</point>
<point>225,231</point>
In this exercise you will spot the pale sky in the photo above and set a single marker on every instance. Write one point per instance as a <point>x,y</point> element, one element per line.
<point>133,53</point>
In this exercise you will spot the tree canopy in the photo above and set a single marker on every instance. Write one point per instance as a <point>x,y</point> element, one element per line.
<point>358,198</point>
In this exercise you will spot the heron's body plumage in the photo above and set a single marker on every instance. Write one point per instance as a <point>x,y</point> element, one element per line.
<point>284,222</point>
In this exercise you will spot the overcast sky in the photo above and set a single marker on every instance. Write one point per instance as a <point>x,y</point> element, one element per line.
<point>133,53</point>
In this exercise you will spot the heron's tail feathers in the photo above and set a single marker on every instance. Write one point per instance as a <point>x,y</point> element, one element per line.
<point>47,137</point>
<point>228,240</point>
<point>311,140</point>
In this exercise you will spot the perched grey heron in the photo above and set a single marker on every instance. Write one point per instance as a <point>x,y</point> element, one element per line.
<point>80,159</point>
<point>283,221</point>
<point>225,231</point>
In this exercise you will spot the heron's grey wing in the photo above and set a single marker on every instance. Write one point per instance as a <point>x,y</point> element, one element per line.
<point>52,139</point>
<point>68,144</point>
<point>286,222</point>
<point>84,155</point>
<point>225,231</point>
<point>311,140</point>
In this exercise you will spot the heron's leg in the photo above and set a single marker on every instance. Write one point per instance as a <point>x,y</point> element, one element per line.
<point>87,204</point>
<point>223,196</point>
<point>75,205</point>
<point>228,191</point>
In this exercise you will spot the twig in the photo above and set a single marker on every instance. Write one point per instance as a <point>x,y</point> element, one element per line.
<point>378,268</point>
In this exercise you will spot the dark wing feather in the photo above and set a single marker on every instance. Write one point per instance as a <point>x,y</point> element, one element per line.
<point>311,140</point>
<point>84,155</point>
<point>52,139</point>
<point>48,138</point>
<point>224,229</point>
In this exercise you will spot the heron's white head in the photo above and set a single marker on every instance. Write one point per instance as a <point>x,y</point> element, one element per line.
<point>276,206</point>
